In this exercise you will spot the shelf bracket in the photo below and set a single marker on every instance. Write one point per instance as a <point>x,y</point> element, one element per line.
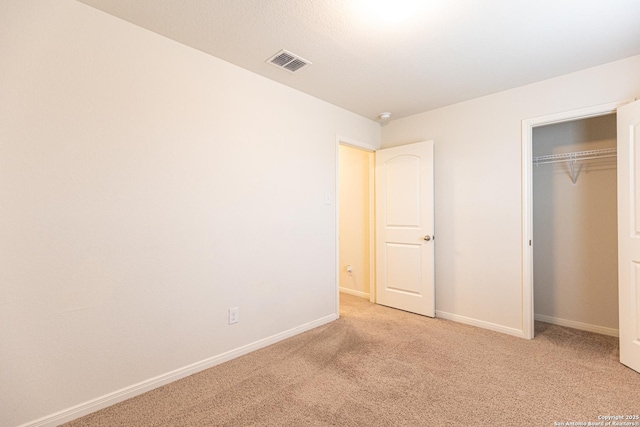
<point>573,170</point>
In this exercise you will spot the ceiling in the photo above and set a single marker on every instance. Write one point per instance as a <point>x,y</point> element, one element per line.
<point>447,51</point>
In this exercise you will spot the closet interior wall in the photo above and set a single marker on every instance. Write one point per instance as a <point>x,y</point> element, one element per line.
<point>575,228</point>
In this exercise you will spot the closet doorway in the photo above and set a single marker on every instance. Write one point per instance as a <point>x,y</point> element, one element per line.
<point>575,250</point>
<point>528,126</point>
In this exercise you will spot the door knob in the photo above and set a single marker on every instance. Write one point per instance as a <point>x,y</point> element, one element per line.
<point>427,238</point>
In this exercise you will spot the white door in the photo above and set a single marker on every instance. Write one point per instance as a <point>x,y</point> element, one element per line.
<point>404,228</point>
<point>629,233</point>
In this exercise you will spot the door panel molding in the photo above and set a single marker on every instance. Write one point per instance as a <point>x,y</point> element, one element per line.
<point>629,233</point>
<point>405,276</point>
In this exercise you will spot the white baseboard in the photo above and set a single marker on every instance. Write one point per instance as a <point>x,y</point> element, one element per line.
<point>578,325</point>
<point>480,323</point>
<point>147,385</point>
<point>354,293</point>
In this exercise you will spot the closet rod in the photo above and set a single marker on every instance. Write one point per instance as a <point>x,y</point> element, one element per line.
<point>573,157</point>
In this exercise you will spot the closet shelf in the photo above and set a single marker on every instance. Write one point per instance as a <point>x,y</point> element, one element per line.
<point>572,158</point>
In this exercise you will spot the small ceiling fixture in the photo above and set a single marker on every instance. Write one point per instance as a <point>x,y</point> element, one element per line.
<point>288,61</point>
<point>384,116</point>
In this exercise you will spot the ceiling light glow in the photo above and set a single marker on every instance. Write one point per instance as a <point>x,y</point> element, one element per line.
<point>394,10</point>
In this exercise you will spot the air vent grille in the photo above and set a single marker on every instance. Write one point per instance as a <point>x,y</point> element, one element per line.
<point>288,61</point>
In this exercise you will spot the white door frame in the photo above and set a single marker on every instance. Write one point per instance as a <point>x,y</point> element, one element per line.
<point>528,312</point>
<point>342,140</point>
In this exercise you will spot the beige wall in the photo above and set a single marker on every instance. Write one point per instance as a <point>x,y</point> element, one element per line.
<point>145,188</point>
<point>478,214</point>
<point>575,227</point>
<point>354,175</point>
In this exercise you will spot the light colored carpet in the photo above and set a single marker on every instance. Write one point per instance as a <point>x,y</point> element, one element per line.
<point>377,366</point>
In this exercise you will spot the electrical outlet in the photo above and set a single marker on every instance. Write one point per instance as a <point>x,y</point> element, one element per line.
<point>234,315</point>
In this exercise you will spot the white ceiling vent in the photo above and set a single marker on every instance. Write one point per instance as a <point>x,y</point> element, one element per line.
<point>288,61</point>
